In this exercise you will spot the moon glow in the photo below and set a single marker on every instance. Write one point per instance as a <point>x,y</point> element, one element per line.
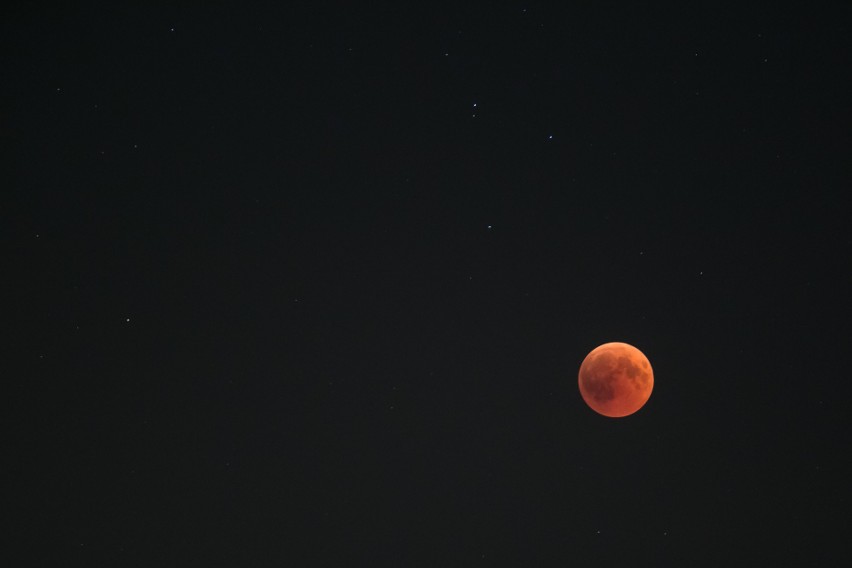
<point>616,379</point>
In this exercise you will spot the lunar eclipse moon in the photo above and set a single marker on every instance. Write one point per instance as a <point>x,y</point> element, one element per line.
<point>616,379</point>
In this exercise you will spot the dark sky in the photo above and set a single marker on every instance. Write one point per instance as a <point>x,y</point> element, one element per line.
<point>311,286</point>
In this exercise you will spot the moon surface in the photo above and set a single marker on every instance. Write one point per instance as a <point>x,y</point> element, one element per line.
<point>616,379</point>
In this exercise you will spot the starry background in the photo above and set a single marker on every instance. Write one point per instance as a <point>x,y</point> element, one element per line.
<point>311,285</point>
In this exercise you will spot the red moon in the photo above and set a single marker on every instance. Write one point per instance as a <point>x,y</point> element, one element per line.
<point>616,379</point>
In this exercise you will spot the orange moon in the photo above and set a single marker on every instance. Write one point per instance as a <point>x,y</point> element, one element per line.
<point>616,379</point>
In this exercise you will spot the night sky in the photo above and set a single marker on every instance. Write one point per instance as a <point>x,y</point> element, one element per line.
<point>311,286</point>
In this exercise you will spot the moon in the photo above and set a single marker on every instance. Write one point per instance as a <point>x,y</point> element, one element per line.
<point>616,379</point>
